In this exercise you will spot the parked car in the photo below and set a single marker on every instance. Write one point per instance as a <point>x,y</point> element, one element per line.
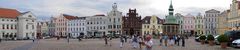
<point>233,35</point>
<point>216,41</point>
<point>236,43</point>
<point>197,38</point>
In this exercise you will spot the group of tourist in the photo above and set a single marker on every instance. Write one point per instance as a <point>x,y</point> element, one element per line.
<point>146,41</point>
<point>138,41</point>
<point>171,40</point>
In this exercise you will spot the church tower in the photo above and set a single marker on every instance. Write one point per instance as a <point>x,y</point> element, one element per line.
<point>170,18</point>
<point>170,27</point>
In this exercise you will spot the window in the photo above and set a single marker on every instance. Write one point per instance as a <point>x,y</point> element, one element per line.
<point>29,15</point>
<point>15,26</point>
<point>3,26</point>
<point>26,26</point>
<point>32,26</point>
<point>7,26</point>
<point>11,26</point>
<point>118,19</point>
<point>2,19</point>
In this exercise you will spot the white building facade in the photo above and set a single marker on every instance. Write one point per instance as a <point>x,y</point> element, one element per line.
<point>77,27</point>
<point>180,22</point>
<point>96,25</point>
<point>16,25</point>
<point>114,20</point>
<point>210,21</point>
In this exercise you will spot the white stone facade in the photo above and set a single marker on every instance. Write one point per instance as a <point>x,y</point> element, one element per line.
<point>22,27</point>
<point>77,27</point>
<point>114,20</point>
<point>96,25</point>
<point>27,26</point>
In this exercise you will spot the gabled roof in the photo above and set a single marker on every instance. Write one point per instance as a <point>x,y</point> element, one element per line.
<point>69,17</point>
<point>212,11</point>
<point>9,13</point>
<point>146,20</point>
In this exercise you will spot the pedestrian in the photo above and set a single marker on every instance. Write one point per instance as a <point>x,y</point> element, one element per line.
<point>0,40</point>
<point>110,41</point>
<point>33,39</point>
<point>160,40</point>
<point>121,41</point>
<point>178,39</point>
<point>183,41</point>
<point>105,39</point>
<point>140,41</point>
<point>58,37</point>
<point>165,40</point>
<point>171,41</point>
<point>125,37</point>
<point>148,43</point>
<point>79,38</point>
<point>134,42</point>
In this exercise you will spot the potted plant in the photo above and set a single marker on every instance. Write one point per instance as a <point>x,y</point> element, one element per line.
<point>223,39</point>
<point>202,39</point>
<point>210,39</point>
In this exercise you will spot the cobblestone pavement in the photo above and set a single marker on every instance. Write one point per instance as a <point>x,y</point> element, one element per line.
<point>96,44</point>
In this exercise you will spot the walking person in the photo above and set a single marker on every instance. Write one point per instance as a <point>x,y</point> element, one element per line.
<point>183,41</point>
<point>121,41</point>
<point>178,39</point>
<point>110,41</point>
<point>134,41</point>
<point>105,39</point>
<point>165,40</point>
<point>0,40</point>
<point>79,38</point>
<point>148,43</point>
<point>140,41</point>
<point>160,40</point>
<point>125,37</point>
<point>33,39</point>
<point>171,41</point>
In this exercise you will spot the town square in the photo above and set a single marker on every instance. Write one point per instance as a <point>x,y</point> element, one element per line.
<point>120,25</point>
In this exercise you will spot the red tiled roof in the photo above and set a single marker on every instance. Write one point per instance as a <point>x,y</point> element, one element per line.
<point>69,17</point>
<point>8,13</point>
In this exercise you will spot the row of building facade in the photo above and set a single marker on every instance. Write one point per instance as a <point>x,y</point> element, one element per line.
<point>211,22</point>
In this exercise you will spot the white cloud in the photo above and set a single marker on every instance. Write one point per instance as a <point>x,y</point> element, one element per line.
<point>144,7</point>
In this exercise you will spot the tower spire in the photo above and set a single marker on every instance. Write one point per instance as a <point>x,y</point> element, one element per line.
<point>171,8</point>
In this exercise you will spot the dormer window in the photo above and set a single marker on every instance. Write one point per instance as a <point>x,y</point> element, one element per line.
<point>29,15</point>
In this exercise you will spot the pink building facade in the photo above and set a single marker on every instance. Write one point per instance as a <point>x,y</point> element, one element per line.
<point>188,24</point>
<point>61,25</point>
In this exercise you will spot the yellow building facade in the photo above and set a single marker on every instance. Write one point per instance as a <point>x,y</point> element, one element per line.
<point>234,16</point>
<point>152,25</point>
<point>222,25</point>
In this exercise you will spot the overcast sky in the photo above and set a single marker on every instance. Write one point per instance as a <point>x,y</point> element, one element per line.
<point>48,8</point>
